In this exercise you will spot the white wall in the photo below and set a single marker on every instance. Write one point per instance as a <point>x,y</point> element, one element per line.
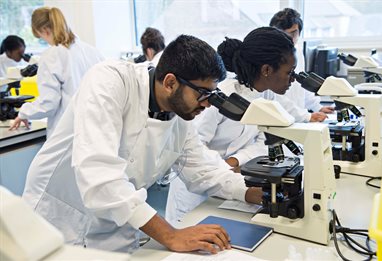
<point>113,26</point>
<point>104,24</point>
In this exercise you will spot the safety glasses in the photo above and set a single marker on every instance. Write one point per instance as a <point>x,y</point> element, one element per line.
<point>204,93</point>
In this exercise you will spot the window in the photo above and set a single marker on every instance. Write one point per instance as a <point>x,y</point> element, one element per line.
<point>210,20</point>
<point>345,23</point>
<point>342,18</point>
<point>15,18</point>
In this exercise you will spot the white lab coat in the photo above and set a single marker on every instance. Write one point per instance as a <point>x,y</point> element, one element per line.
<point>230,139</point>
<point>6,62</point>
<point>302,97</point>
<point>58,77</point>
<point>156,58</point>
<point>90,178</point>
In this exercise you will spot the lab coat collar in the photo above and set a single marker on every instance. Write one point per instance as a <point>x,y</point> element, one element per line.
<point>154,110</point>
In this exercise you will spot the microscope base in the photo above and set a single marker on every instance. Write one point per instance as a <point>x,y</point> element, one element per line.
<point>6,124</point>
<point>368,167</point>
<point>315,229</point>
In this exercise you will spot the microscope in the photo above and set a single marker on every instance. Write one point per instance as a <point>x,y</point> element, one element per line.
<point>369,70</point>
<point>356,136</point>
<point>9,103</point>
<point>296,199</point>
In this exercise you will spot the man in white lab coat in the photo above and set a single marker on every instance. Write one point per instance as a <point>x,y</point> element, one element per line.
<point>153,44</point>
<point>122,131</point>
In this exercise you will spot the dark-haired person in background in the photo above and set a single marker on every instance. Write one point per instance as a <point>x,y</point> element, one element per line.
<point>153,44</point>
<point>122,131</point>
<point>12,51</point>
<point>289,20</point>
<point>264,62</point>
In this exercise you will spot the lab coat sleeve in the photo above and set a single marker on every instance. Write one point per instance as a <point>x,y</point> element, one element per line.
<point>204,174</point>
<point>207,123</point>
<point>100,171</point>
<point>312,102</point>
<point>252,149</point>
<point>50,77</point>
<point>300,114</point>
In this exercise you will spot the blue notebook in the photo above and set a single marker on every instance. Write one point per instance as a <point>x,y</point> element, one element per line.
<point>244,236</point>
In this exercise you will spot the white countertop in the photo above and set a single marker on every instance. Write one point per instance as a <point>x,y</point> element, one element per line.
<point>353,205</point>
<point>37,129</point>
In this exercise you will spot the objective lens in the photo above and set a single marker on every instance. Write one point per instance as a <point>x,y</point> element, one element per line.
<point>279,153</point>
<point>271,153</point>
<point>345,114</point>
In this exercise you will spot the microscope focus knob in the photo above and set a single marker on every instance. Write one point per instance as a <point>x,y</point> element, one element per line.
<point>292,213</point>
<point>316,207</point>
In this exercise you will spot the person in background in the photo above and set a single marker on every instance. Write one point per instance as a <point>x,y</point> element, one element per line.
<point>11,53</point>
<point>263,65</point>
<point>289,20</point>
<point>153,44</point>
<point>61,68</point>
<point>124,128</point>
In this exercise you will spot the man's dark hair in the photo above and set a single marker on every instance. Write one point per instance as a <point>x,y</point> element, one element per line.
<point>264,45</point>
<point>10,43</point>
<point>152,38</point>
<point>286,18</point>
<point>190,58</point>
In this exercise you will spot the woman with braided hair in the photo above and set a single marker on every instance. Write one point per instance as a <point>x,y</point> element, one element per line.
<point>263,65</point>
<point>11,53</point>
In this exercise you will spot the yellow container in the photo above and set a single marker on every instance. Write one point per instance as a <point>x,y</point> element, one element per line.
<point>28,87</point>
<point>375,229</point>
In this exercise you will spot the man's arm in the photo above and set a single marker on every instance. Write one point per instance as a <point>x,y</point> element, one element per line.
<point>209,238</point>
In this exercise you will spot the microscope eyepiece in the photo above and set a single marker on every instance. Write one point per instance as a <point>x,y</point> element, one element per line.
<point>347,59</point>
<point>309,81</point>
<point>29,71</point>
<point>26,57</point>
<point>233,106</point>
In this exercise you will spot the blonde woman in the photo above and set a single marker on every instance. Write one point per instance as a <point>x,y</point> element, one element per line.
<point>61,68</point>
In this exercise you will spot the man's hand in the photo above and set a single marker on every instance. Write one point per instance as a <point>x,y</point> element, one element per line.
<point>17,122</point>
<point>234,163</point>
<point>211,238</point>
<point>327,109</point>
<point>318,117</point>
<point>254,195</point>
<point>207,237</point>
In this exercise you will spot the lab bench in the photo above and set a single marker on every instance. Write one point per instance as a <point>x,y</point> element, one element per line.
<point>17,150</point>
<point>353,205</point>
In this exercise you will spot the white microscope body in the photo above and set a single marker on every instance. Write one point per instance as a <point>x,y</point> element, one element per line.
<point>368,64</point>
<point>318,175</point>
<point>371,104</point>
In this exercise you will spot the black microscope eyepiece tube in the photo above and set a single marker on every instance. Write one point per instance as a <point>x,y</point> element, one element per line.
<point>233,106</point>
<point>347,59</point>
<point>292,147</point>
<point>310,81</point>
<point>354,110</point>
